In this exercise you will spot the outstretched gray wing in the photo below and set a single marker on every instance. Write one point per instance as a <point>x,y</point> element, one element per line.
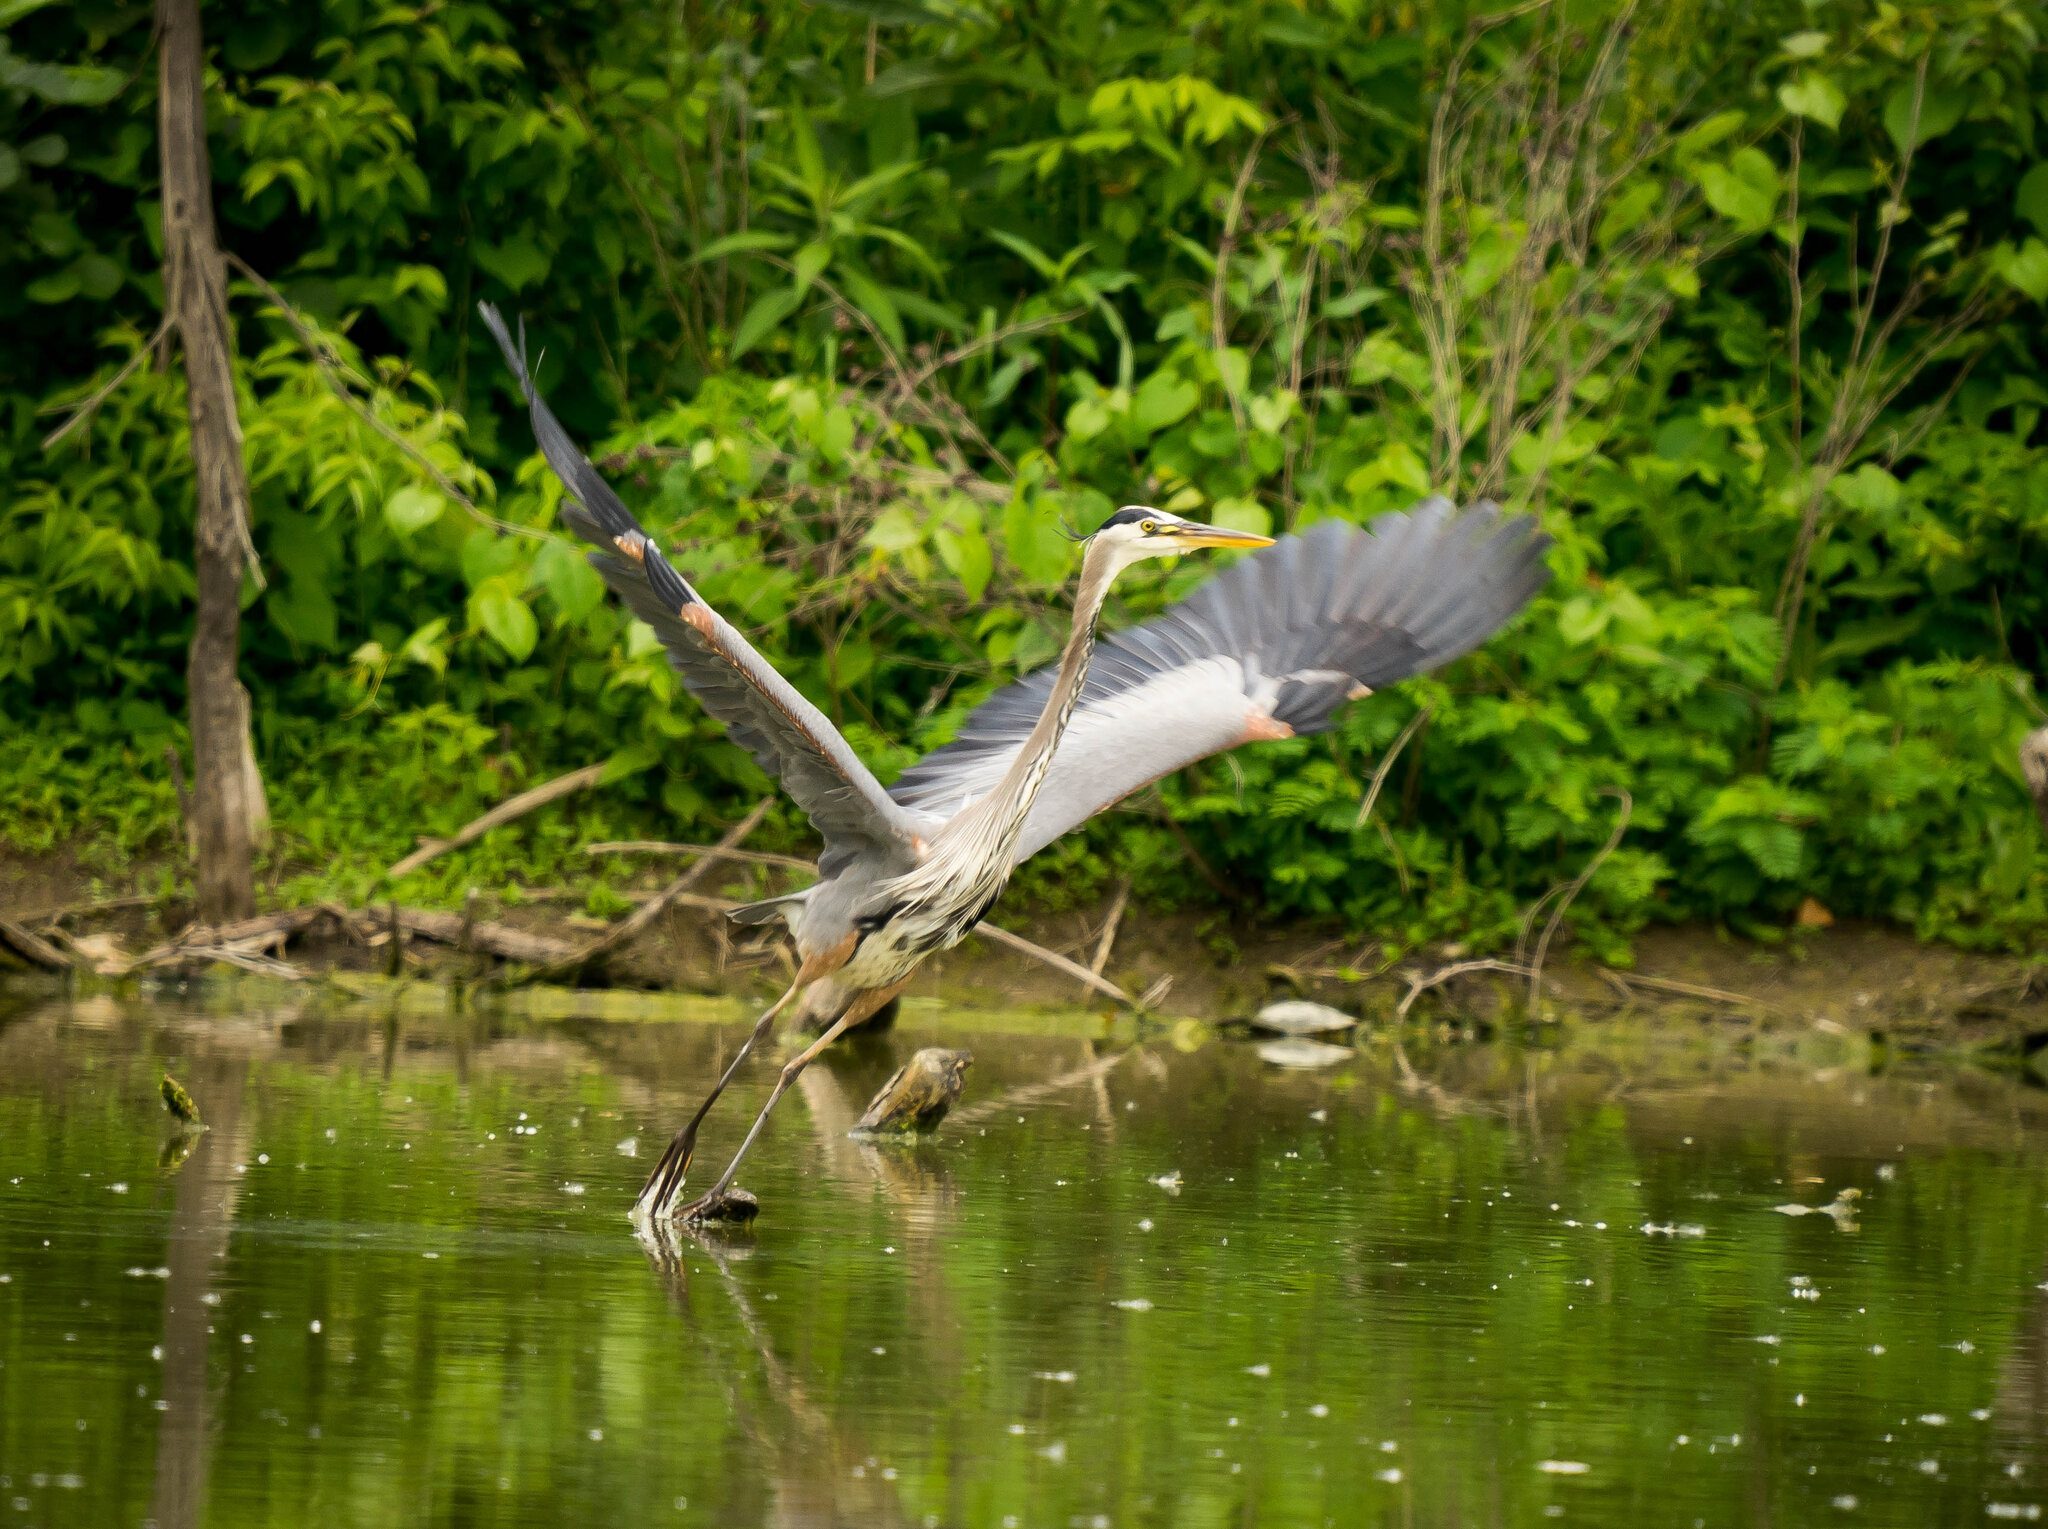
<point>1269,648</point>
<point>788,736</point>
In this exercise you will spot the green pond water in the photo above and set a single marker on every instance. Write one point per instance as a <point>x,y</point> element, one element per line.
<point>1137,1279</point>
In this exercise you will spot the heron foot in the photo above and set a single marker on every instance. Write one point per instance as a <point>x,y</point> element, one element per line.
<point>733,1207</point>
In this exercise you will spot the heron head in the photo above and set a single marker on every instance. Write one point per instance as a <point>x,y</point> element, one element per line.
<point>1139,531</point>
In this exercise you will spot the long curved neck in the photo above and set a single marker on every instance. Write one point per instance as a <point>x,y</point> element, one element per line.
<point>1005,808</point>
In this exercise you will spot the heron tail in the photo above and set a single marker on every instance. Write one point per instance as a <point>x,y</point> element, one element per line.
<point>768,909</point>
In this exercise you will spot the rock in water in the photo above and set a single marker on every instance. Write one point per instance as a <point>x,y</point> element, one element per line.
<point>1293,1016</point>
<point>179,1103</point>
<point>917,1098</point>
<point>1298,1051</point>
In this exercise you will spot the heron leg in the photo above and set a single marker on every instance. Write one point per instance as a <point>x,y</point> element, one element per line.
<point>659,1192</point>
<point>863,1005</point>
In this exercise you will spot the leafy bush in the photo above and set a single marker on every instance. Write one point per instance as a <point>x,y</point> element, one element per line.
<point>1747,310</point>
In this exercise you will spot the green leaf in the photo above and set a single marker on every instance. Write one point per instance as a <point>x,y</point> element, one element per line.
<point>518,262</point>
<point>966,554</point>
<point>571,583</point>
<point>1744,191</point>
<point>1805,44</point>
<point>2032,198</point>
<point>1163,399</point>
<point>1815,97</point>
<point>57,287</point>
<point>412,508</point>
<point>741,243</point>
<point>810,263</point>
<point>762,319</point>
<point>1941,108</point>
<point>1240,514</point>
<point>894,530</point>
<point>508,619</point>
<point>2025,268</point>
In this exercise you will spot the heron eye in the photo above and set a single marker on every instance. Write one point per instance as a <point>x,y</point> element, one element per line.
<point>1148,527</point>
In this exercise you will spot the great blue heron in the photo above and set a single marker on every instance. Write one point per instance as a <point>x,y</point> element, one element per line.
<point>1269,649</point>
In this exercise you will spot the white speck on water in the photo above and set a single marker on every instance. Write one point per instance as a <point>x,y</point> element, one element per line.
<point>1319,1411</point>
<point>119,1189</point>
<point>1933,1419</point>
<point>1170,1182</point>
<point>1887,1171</point>
<point>141,1273</point>
<point>1673,1229</point>
<point>1562,1467</point>
<point>1930,1467</point>
<point>1877,1348</point>
<point>407,1147</point>
<point>156,1352</point>
<point>1135,1303</point>
<point>1771,1338</point>
<point>1846,1502</point>
<point>522,1114</point>
<point>597,1435</point>
<point>878,1350</point>
<point>1981,1414</point>
<point>1388,1446</point>
<point>211,1298</point>
<point>1319,1115</point>
<point>1145,1225</point>
<point>1260,1370</point>
<point>1599,1226</point>
<point>1799,1398</point>
<point>313,1326</point>
<point>248,1337</point>
<point>331,1134</point>
<point>889,1249</point>
<point>1064,1377</point>
<point>1056,1452</point>
<point>572,1189</point>
<point>430,1255</point>
<point>1018,1429</point>
<point>630,1147</point>
<point>263,1157</point>
<point>2029,1511</point>
<point>1390,1475</point>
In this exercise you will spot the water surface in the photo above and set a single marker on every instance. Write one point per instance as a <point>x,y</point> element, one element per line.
<point>1152,1284</point>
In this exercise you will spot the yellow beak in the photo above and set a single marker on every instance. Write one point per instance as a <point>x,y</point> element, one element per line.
<point>1216,536</point>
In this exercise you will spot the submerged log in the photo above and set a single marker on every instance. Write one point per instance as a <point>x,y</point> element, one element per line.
<point>917,1098</point>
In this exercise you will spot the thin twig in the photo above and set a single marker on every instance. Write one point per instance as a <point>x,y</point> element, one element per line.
<point>507,810</point>
<point>90,406</point>
<point>1628,807</point>
<point>1110,925</point>
<point>1420,984</point>
<point>1379,776</point>
<point>1057,962</point>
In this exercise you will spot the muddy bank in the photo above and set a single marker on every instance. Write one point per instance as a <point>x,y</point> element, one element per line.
<point>1854,978</point>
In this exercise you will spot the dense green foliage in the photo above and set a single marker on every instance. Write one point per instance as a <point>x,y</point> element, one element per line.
<point>1744,301</point>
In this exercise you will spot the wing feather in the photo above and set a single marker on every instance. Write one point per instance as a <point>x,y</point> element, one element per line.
<point>1277,642</point>
<point>765,714</point>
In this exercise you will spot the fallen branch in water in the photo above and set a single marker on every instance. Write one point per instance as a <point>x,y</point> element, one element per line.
<point>505,812</point>
<point>1420,983</point>
<point>32,948</point>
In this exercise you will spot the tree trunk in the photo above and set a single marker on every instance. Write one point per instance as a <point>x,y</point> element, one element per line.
<point>228,811</point>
